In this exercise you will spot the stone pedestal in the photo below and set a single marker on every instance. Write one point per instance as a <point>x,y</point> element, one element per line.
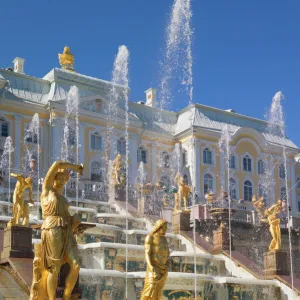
<point>221,240</point>
<point>181,221</point>
<point>17,243</point>
<point>119,193</point>
<point>275,263</point>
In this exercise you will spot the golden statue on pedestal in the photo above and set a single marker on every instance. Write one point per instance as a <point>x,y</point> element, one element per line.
<point>20,208</point>
<point>117,167</point>
<point>66,59</point>
<point>157,257</point>
<point>58,242</point>
<point>274,222</point>
<point>182,193</point>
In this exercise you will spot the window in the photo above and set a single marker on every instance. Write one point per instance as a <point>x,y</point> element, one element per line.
<point>142,155</point>
<point>208,183</point>
<point>247,190</point>
<point>262,191</point>
<point>184,158</point>
<point>121,146</point>
<point>260,167</point>
<point>207,156</point>
<point>186,179</point>
<point>232,187</point>
<point>96,141</point>
<point>283,193</point>
<point>232,162</point>
<point>96,172</point>
<point>298,183</point>
<point>3,128</point>
<point>69,135</point>
<point>165,181</point>
<point>247,164</point>
<point>281,171</point>
<point>165,160</point>
<point>31,136</point>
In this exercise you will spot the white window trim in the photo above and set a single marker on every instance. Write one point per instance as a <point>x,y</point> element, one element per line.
<point>213,155</point>
<point>237,187</point>
<point>214,181</point>
<point>236,161</point>
<point>285,170</point>
<point>252,163</point>
<point>103,142</point>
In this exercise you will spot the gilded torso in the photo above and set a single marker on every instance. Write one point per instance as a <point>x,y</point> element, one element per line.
<point>159,250</point>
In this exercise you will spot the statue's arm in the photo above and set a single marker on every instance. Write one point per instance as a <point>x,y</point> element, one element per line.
<point>30,194</point>
<point>18,176</point>
<point>148,242</point>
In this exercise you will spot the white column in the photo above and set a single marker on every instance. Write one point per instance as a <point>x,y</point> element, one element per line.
<point>56,139</point>
<point>17,141</point>
<point>133,156</point>
<point>82,142</point>
<point>45,145</point>
<point>194,162</point>
<point>293,191</point>
<point>272,187</point>
<point>223,172</point>
<point>154,163</point>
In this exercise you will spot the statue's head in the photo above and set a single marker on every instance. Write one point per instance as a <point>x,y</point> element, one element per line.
<point>67,50</point>
<point>28,180</point>
<point>61,177</point>
<point>160,227</point>
<point>119,156</point>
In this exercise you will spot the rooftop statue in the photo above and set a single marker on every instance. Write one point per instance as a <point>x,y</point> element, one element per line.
<point>157,258</point>
<point>274,222</point>
<point>20,208</point>
<point>58,242</point>
<point>66,59</point>
<point>182,193</point>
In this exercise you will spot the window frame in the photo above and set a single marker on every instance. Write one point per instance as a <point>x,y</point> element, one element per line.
<point>211,180</point>
<point>249,159</point>
<point>247,187</point>
<point>94,175</point>
<point>95,135</point>
<point>205,153</point>
<point>121,146</point>
<point>281,171</point>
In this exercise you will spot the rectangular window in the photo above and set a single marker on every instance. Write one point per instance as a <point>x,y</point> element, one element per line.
<point>232,162</point>
<point>4,129</point>
<point>96,142</point>
<point>121,147</point>
<point>247,164</point>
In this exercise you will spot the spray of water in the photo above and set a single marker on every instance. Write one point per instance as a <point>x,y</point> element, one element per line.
<point>276,127</point>
<point>178,53</point>
<point>120,78</point>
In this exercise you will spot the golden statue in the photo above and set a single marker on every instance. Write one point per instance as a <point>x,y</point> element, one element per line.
<point>182,193</point>
<point>20,208</point>
<point>157,258</point>
<point>117,167</point>
<point>274,222</point>
<point>66,59</point>
<point>58,244</point>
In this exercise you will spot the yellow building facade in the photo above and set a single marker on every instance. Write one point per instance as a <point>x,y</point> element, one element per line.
<point>194,131</point>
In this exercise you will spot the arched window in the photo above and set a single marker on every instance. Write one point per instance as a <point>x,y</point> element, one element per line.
<point>232,187</point>
<point>260,167</point>
<point>208,183</point>
<point>121,146</point>
<point>283,193</point>
<point>3,127</point>
<point>282,171</point>
<point>232,162</point>
<point>247,190</point>
<point>96,171</point>
<point>96,141</point>
<point>207,156</point>
<point>142,155</point>
<point>298,183</point>
<point>165,159</point>
<point>184,158</point>
<point>247,163</point>
<point>185,179</point>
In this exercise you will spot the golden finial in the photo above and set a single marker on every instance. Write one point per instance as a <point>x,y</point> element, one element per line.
<point>66,59</point>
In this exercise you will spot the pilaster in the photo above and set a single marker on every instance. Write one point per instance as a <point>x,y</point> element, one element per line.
<point>133,156</point>
<point>17,141</point>
<point>82,141</point>
<point>154,163</point>
<point>293,191</point>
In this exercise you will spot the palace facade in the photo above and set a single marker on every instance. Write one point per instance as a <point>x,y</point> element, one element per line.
<point>196,130</point>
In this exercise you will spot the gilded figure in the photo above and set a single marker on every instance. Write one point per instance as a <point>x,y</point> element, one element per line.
<point>274,222</point>
<point>157,258</point>
<point>58,244</point>
<point>116,169</point>
<point>182,193</point>
<point>20,207</point>
<point>66,59</point>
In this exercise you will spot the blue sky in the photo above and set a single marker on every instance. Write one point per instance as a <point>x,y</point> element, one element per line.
<point>244,51</point>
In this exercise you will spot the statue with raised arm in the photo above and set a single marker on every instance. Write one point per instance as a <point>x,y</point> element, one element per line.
<point>20,207</point>
<point>157,258</point>
<point>182,193</point>
<point>274,222</point>
<point>58,244</point>
<point>117,167</point>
